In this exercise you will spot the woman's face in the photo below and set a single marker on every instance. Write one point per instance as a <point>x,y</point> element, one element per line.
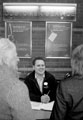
<point>39,67</point>
<point>13,60</point>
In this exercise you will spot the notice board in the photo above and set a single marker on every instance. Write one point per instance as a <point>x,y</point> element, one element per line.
<point>58,39</point>
<point>20,32</point>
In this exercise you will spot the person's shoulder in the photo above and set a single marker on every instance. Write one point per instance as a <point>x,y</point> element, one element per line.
<point>19,87</point>
<point>67,83</point>
<point>30,75</point>
<point>18,92</point>
<point>71,79</point>
<point>48,74</point>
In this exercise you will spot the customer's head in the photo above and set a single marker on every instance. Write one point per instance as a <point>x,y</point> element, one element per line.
<point>8,54</point>
<point>39,65</point>
<point>77,60</point>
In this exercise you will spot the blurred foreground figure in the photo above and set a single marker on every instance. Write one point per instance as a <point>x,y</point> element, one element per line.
<point>14,99</point>
<point>69,97</point>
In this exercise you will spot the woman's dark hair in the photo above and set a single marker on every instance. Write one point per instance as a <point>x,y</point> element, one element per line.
<point>37,58</point>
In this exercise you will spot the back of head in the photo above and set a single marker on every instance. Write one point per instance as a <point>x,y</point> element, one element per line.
<point>77,60</point>
<point>6,46</point>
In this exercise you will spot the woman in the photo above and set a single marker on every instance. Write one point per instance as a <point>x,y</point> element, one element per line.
<point>69,97</point>
<point>14,99</point>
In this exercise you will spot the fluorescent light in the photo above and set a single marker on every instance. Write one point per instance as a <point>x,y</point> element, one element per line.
<point>61,9</point>
<point>21,8</point>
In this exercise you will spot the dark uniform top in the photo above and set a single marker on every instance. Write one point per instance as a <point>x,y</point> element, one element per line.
<point>34,90</point>
<point>69,100</point>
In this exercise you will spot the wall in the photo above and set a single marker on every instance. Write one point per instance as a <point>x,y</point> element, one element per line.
<point>58,67</point>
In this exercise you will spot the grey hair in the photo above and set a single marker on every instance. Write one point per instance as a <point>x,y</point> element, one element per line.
<point>5,46</point>
<point>77,60</point>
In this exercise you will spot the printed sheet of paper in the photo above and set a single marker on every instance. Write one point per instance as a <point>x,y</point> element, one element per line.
<point>47,106</point>
<point>42,106</point>
<point>36,105</point>
<point>52,36</point>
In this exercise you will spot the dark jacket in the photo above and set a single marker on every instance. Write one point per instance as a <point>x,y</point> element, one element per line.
<point>34,90</point>
<point>69,100</point>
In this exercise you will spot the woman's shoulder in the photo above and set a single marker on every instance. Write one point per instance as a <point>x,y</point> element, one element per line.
<point>20,86</point>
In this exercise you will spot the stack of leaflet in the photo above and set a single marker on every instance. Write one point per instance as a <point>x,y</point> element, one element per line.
<point>42,106</point>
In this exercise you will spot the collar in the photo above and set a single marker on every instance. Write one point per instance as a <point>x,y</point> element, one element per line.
<point>39,77</point>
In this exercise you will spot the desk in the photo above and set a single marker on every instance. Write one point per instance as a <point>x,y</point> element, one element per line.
<point>42,114</point>
<point>42,111</point>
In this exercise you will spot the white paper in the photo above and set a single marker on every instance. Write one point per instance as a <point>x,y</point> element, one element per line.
<point>52,36</point>
<point>35,105</point>
<point>42,106</point>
